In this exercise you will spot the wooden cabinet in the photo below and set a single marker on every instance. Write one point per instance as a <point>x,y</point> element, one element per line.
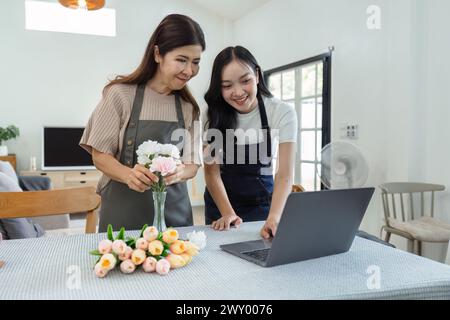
<point>68,179</point>
<point>11,158</point>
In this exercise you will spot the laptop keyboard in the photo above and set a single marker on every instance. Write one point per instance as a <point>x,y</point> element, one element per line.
<point>260,255</point>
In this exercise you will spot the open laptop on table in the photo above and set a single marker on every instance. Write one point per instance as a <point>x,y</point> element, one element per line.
<point>313,225</point>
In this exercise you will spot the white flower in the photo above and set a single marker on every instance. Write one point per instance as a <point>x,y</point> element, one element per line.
<point>143,160</point>
<point>197,238</point>
<point>148,148</point>
<point>169,150</point>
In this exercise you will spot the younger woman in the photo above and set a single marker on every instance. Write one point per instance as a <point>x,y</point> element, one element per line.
<point>239,183</point>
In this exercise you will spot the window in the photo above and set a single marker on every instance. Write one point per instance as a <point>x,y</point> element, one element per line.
<point>306,86</point>
<point>48,16</point>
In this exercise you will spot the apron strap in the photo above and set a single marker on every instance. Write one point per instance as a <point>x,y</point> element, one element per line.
<point>179,117</point>
<point>179,111</point>
<point>128,155</point>
<point>265,125</point>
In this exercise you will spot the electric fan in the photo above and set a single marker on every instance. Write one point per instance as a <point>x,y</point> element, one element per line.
<point>342,166</point>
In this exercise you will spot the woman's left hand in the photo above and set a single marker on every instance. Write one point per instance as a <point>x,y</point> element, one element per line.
<point>270,228</point>
<point>176,176</point>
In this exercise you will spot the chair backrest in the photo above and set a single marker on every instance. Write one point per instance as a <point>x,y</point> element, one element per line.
<point>297,188</point>
<point>51,202</point>
<point>396,200</point>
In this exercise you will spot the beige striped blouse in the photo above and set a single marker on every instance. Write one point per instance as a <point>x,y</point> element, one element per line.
<point>106,126</point>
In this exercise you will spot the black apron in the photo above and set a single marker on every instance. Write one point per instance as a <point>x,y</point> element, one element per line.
<point>248,189</point>
<point>123,207</point>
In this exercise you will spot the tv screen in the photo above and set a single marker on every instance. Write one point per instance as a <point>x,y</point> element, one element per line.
<point>61,150</point>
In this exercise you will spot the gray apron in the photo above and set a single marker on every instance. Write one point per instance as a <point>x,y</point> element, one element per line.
<point>123,207</point>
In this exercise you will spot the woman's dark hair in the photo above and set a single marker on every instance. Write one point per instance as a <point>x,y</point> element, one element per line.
<point>221,115</point>
<point>174,31</point>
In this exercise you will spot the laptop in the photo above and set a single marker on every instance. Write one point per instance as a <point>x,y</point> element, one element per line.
<point>313,225</point>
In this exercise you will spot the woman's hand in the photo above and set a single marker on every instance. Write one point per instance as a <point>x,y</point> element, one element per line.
<point>270,228</point>
<point>225,222</point>
<point>176,176</point>
<point>140,178</point>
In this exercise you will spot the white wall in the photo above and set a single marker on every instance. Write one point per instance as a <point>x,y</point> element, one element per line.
<point>51,78</point>
<point>384,80</point>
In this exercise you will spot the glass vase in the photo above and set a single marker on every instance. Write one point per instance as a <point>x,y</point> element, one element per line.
<point>159,199</point>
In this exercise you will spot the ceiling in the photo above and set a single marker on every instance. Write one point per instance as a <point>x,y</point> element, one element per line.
<point>231,9</point>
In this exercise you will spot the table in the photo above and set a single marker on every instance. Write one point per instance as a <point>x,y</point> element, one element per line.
<point>44,268</point>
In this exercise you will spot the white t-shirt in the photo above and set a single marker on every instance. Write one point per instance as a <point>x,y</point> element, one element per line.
<point>282,119</point>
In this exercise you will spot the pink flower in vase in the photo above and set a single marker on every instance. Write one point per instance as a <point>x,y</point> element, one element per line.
<point>164,165</point>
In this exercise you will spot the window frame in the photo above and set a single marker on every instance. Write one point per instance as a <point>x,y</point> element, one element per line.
<point>326,59</point>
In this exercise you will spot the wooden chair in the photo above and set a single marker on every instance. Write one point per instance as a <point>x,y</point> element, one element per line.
<point>403,218</point>
<point>297,188</point>
<point>51,202</point>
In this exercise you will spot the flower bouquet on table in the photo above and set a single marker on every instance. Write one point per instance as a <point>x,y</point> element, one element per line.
<point>162,160</point>
<point>154,250</point>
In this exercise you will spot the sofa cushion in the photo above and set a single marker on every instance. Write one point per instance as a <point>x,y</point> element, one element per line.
<point>20,227</point>
<point>8,169</point>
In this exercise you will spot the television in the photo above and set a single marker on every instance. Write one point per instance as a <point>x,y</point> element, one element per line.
<point>61,149</point>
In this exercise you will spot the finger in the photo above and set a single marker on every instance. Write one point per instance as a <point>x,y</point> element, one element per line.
<point>227,223</point>
<point>222,225</point>
<point>141,186</point>
<point>237,222</point>
<point>213,224</point>
<point>168,181</point>
<point>143,178</point>
<point>274,230</point>
<point>171,180</point>
<point>264,233</point>
<point>147,172</point>
<point>133,186</point>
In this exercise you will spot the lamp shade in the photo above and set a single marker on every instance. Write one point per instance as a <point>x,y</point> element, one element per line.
<point>76,4</point>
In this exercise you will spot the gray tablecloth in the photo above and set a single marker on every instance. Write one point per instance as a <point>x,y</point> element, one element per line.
<point>41,269</point>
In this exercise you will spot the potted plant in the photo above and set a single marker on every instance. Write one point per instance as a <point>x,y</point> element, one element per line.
<point>7,133</point>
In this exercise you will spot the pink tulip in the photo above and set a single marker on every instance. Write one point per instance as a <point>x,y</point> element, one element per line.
<point>126,255</point>
<point>155,248</point>
<point>149,264</point>
<point>170,235</point>
<point>105,246</point>
<point>178,247</point>
<point>141,243</point>
<point>99,271</point>
<point>191,248</point>
<point>187,258</point>
<point>138,256</point>
<point>127,266</point>
<point>176,261</point>
<point>108,261</point>
<point>163,267</point>
<point>119,247</point>
<point>150,233</point>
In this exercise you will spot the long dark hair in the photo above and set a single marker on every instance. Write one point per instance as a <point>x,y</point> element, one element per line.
<point>221,115</point>
<point>174,31</point>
